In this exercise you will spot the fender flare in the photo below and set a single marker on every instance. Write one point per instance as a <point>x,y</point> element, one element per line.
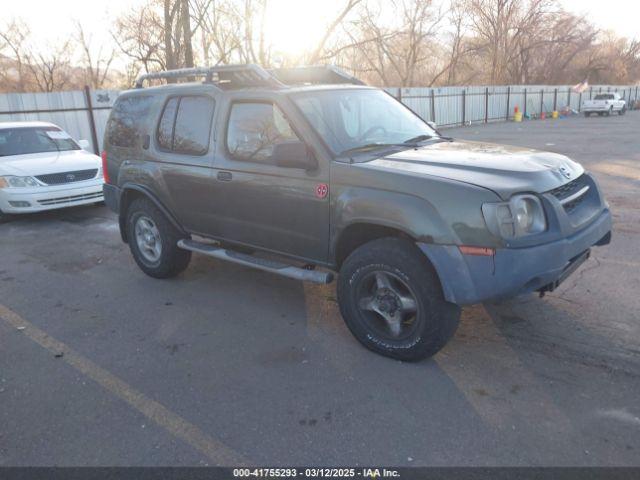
<point>128,187</point>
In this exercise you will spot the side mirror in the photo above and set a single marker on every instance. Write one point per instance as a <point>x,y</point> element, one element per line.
<point>294,155</point>
<point>84,144</point>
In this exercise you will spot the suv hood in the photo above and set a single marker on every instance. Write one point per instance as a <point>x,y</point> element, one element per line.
<point>48,162</point>
<point>504,169</point>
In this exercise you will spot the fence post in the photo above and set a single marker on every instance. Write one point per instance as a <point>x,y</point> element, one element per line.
<point>555,99</point>
<point>541,100</point>
<point>569,98</point>
<point>524,114</point>
<point>486,105</point>
<point>433,107</point>
<point>580,102</point>
<point>508,98</point>
<point>590,92</point>
<point>399,97</point>
<point>92,122</point>
<point>464,107</point>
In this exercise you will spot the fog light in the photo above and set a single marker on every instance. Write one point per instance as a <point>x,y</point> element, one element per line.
<point>19,204</point>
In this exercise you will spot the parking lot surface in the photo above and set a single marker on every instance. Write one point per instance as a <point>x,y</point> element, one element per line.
<point>101,365</point>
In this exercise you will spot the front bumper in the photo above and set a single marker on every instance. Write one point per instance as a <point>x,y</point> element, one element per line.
<point>468,279</point>
<point>38,199</point>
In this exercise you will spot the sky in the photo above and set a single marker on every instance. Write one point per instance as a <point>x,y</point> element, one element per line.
<point>52,20</point>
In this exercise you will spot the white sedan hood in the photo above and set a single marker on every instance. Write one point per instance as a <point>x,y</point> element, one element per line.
<point>48,162</point>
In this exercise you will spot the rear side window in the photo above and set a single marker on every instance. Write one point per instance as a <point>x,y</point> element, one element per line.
<point>127,116</point>
<point>185,125</point>
<point>255,129</point>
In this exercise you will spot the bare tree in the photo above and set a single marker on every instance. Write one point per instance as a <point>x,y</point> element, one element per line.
<point>51,71</point>
<point>140,35</point>
<point>13,40</point>
<point>348,7</point>
<point>96,65</point>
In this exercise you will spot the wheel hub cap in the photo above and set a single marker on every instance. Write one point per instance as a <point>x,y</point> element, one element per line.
<point>148,239</point>
<point>388,301</point>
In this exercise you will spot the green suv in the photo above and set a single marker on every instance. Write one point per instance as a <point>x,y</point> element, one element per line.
<point>304,172</point>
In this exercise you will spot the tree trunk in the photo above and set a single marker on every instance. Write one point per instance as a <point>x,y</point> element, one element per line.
<point>186,33</point>
<point>170,60</point>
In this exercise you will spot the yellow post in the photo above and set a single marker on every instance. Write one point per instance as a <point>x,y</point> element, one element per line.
<point>554,114</point>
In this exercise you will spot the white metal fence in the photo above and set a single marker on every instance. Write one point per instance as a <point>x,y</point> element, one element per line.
<point>452,106</point>
<point>84,113</point>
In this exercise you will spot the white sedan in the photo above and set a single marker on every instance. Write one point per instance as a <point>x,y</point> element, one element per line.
<point>43,168</point>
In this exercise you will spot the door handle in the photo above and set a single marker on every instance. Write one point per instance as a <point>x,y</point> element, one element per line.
<point>224,176</point>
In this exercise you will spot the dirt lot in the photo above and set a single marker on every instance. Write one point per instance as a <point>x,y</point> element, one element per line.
<point>101,365</point>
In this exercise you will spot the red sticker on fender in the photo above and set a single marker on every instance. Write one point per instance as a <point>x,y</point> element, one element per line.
<point>322,189</point>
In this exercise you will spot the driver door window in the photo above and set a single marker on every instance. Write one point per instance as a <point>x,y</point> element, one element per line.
<point>254,129</point>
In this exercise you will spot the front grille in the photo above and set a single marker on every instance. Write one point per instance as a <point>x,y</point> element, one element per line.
<point>72,198</point>
<point>568,189</point>
<point>67,177</point>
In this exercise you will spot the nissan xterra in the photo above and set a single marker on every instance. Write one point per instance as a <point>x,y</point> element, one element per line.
<point>304,172</point>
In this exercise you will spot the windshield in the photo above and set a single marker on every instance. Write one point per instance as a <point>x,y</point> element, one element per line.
<point>349,120</point>
<point>604,96</point>
<point>25,140</point>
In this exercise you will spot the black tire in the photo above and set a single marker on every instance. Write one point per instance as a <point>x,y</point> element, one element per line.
<point>587,114</point>
<point>622,111</point>
<point>4,217</point>
<point>434,321</point>
<point>608,112</point>
<point>600,114</point>
<point>171,259</point>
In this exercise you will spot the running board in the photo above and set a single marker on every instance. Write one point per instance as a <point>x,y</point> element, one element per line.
<point>260,263</point>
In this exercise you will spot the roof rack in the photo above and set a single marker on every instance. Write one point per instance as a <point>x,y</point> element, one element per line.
<point>249,75</point>
<point>321,74</point>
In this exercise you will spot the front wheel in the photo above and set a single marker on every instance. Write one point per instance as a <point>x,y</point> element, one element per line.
<point>622,111</point>
<point>587,114</point>
<point>609,112</point>
<point>153,240</point>
<point>391,299</point>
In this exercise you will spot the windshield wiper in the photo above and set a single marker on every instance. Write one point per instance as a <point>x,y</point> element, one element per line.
<point>419,138</point>
<point>371,146</point>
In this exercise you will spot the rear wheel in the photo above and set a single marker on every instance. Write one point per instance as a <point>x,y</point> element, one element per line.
<point>153,240</point>
<point>391,299</point>
<point>609,112</point>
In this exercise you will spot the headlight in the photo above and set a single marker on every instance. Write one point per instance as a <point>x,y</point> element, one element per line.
<point>99,175</point>
<point>18,182</point>
<point>522,215</point>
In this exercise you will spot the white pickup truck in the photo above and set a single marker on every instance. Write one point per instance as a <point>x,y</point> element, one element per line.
<point>605,104</point>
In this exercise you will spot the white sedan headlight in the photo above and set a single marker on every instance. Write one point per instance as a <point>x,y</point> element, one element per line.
<point>18,182</point>
<point>522,215</point>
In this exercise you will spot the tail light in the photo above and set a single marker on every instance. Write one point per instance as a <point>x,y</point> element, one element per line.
<point>105,172</point>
